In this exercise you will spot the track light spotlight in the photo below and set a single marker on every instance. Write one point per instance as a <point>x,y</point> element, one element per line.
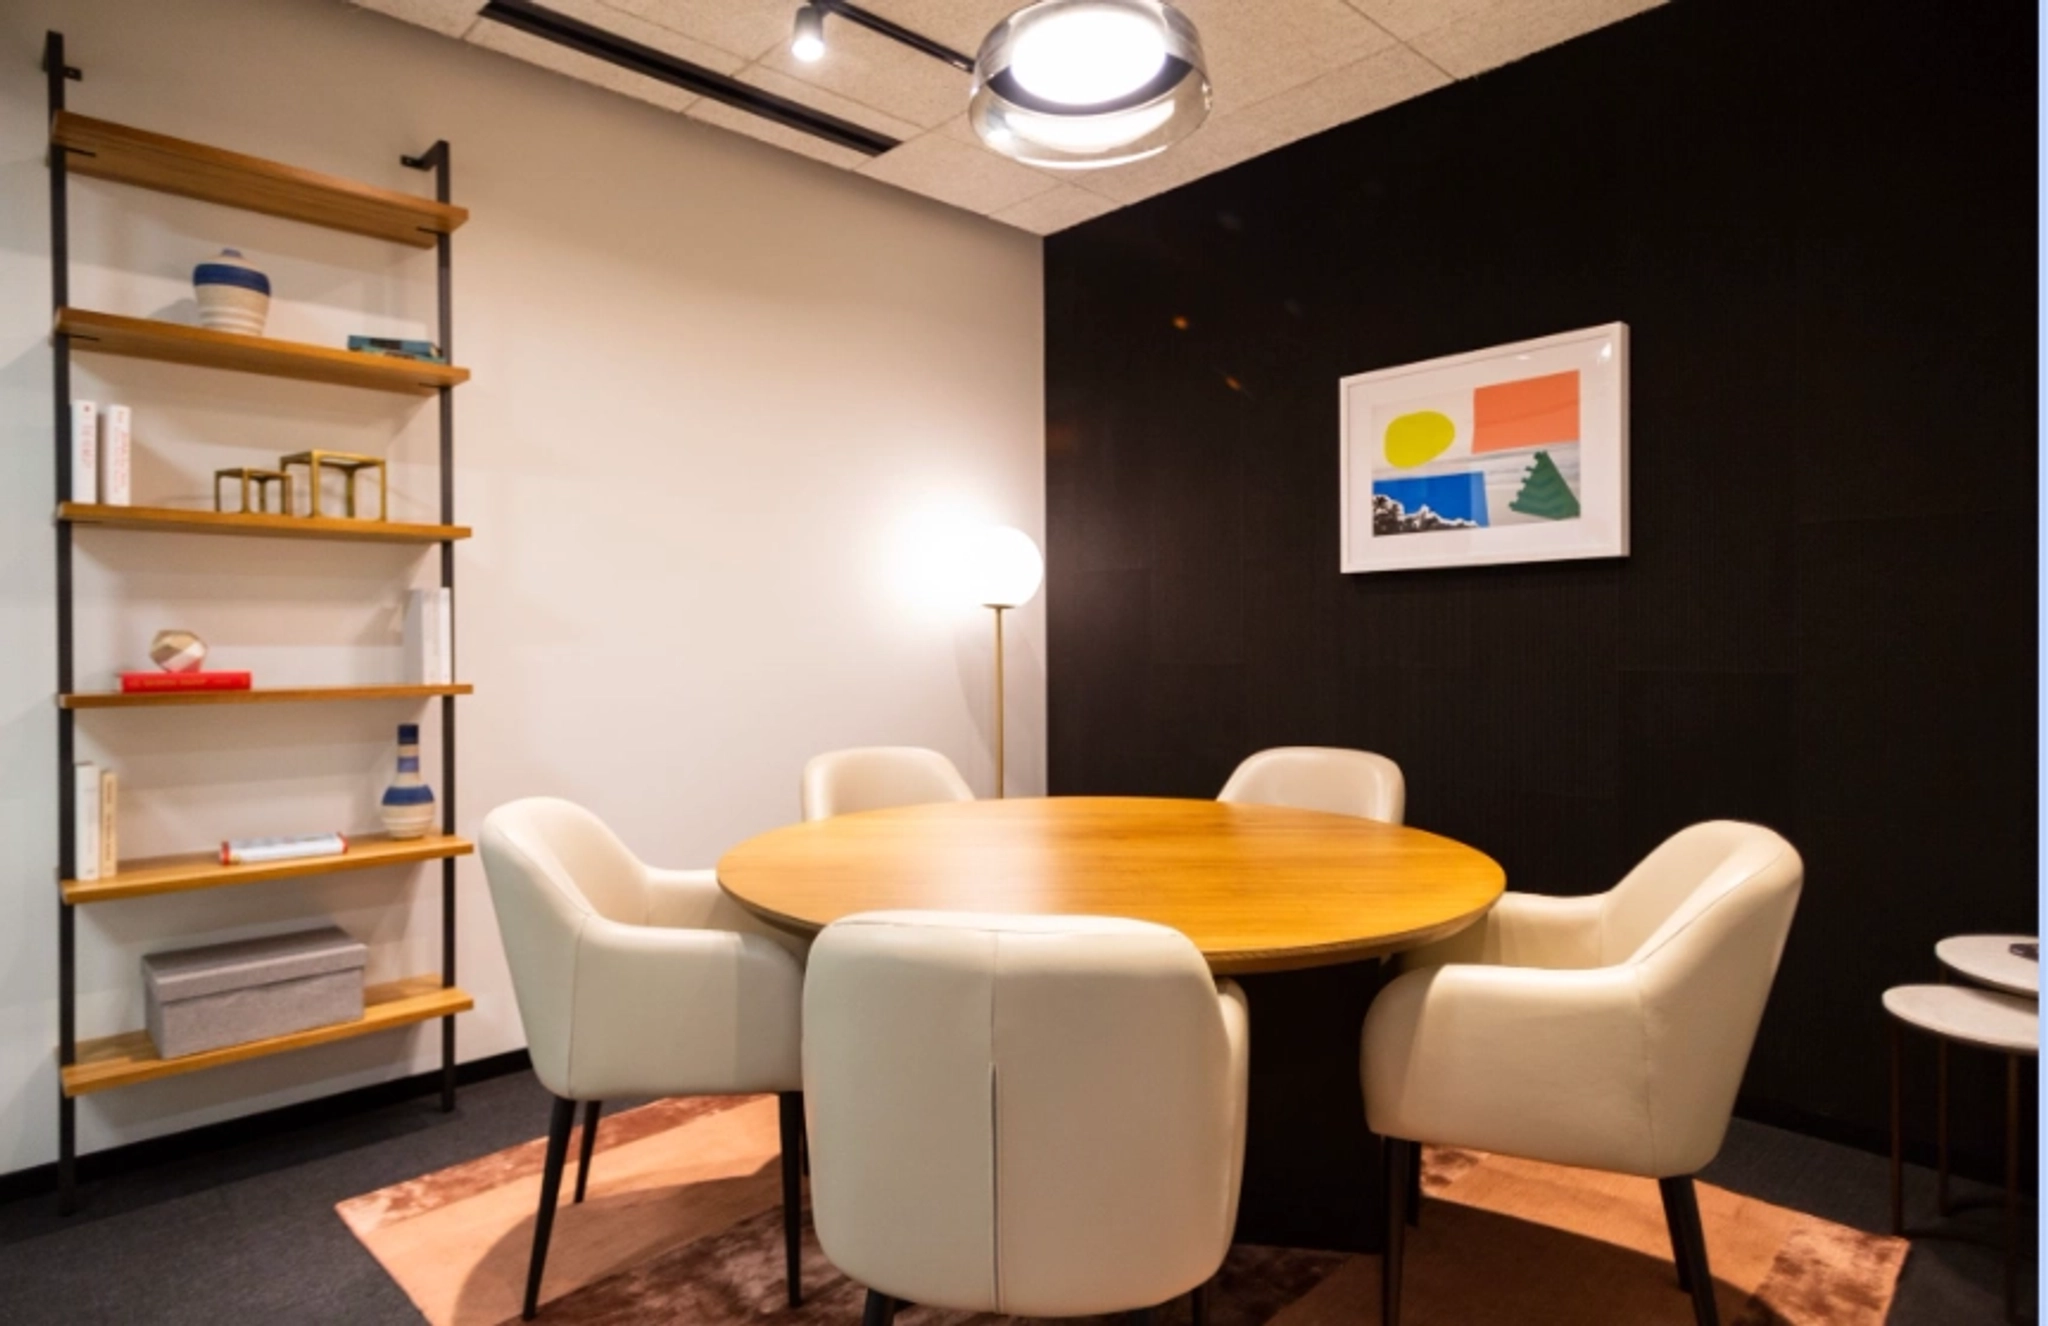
<point>809,42</point>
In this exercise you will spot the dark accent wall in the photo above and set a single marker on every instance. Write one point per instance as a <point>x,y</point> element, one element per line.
<point>1819,221</point>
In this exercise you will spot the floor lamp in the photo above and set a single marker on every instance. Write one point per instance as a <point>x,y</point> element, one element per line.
<point>1006,569</point>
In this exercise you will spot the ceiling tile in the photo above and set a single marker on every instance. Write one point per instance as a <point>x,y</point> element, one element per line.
<point>1372,84</point>
<point>510,41</point>
<point>746,28</point>
<point>1057,208</point>
<point>450,18</point>
<point>1467,37</point>
<point>880,73</point>
<point>738,121</point>
<point>831,103</point>
<point>1257,50</point>
<point>960,24</point>
<point>952,172</point>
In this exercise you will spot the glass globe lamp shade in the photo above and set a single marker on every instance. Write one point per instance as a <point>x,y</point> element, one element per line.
<point>1081,84</point>
<point>1003,567</point>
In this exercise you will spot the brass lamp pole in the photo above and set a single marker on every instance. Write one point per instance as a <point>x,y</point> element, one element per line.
<point>1007,567</point>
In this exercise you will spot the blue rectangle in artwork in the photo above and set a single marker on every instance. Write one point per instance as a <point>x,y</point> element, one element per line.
<point>1434,502</point>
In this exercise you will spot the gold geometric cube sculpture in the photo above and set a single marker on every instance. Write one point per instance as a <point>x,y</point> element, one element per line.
<point>349,465</point>
<point>262,479</point>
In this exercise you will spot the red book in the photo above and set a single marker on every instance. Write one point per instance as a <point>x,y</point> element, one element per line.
<point>132,682</point>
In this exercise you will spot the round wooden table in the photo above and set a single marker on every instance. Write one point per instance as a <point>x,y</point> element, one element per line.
<point>1300,902</point>
<point>1257,888</point>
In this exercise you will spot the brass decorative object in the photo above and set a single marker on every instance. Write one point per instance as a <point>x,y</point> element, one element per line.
<point>350,465</point>
<point>262,479</point>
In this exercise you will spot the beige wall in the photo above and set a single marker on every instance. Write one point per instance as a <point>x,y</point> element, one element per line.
<point>727,405</point>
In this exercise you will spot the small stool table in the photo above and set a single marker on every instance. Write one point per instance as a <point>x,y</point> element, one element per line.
<point>1988,1019</point>
<point>1990,960</point>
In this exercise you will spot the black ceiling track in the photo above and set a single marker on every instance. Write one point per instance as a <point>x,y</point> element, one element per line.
<point>545,23</point>
<point>896,32</point>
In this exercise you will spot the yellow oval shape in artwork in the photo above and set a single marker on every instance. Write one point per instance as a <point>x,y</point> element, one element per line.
<point>1418,438</point>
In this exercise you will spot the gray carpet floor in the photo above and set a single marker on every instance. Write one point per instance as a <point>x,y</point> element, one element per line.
<point>248,1233</point>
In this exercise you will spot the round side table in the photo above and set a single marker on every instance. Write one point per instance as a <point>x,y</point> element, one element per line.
<point>1986,1019</point>
<point>1989,960</point>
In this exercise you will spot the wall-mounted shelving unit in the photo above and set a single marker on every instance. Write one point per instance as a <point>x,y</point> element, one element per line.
<point>98,148</point>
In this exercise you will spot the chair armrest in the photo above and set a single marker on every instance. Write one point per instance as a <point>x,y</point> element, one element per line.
<point>693,900</point>
<point>1237,1028</point>
<point>664,1012</point>
<point>1548,1065</point>
<point>1522,930</point>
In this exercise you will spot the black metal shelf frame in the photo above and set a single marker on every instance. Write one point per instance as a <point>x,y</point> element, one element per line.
<point>435,159</point>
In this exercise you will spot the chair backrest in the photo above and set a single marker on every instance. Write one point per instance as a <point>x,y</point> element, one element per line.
<point>971,1149</point>
<point>877,777</point>
<point>1704,919</point>
<point>551,864</point>
<point>1343,782</point>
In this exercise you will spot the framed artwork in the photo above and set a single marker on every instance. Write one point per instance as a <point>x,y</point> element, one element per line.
<point>1514,454</point>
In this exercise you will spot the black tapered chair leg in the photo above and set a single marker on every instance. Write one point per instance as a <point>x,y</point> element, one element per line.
<point>1400,1156</point>
<point>1690,1238</point>
<point>591,1109</point>
<point>559,1124</point>
<point>792,1108</point>
<point>1198,1306</point>
<point>1674,1222</point>
<point>880,1311</point>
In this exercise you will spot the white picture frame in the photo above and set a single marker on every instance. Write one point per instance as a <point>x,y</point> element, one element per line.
<point>1466,431</point>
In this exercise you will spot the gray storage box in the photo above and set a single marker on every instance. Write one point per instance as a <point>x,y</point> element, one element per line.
<point>225,994</point>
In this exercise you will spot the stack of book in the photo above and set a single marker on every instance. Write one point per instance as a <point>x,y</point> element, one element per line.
<point>429,637</point>
<point>101,455</point>
<point>397,348</point>
<point>149,681</point>
<point>95,847</point>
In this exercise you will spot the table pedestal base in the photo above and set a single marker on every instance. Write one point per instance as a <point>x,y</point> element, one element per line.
<point>1312,1172</point>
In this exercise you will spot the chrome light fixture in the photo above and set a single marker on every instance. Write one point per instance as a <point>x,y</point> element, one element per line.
<point>1080,84</point>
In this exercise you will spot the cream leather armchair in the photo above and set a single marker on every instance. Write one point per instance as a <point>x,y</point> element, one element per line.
<point>634,981</point>
<point>1343,782</point>
<point>1031,1115</point>
<point>1609,1032</point>
<point>877,777</point>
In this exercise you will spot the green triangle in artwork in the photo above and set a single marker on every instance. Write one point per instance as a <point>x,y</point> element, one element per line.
<point>1545,494</point>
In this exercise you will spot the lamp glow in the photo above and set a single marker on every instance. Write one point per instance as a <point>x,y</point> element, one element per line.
<point>1004,567</point>
<point>1088,54</point>
<point>808,44</point>
<point>1080,84</point>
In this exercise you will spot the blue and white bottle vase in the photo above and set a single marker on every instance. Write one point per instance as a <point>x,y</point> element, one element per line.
<point>408,805</point>
<point>232,295</point>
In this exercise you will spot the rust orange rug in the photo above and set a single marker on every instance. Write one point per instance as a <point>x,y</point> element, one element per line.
<point>683,1224</point>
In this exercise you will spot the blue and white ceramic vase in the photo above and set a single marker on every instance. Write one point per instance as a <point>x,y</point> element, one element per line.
<point>232,295</point>
<point>408,805</point>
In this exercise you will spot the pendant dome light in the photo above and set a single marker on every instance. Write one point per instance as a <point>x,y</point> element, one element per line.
<point>1080,84</point>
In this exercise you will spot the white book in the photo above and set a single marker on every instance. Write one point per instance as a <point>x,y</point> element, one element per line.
<point>85,821</point>
<point>444,635</point>
<point>85,451</point>
<point>419,635</point>
<point>110,838</point>
<point>116,464</point>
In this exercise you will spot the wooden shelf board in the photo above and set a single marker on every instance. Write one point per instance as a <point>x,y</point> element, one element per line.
<point>175,343</point>
<point>111,151</point>
<point>203,870</point>
<point>124,1060</point>
<point>260,524</point>
<point>277,695</point>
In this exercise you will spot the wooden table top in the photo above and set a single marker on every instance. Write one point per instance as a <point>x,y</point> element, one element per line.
<point>1257,888</point>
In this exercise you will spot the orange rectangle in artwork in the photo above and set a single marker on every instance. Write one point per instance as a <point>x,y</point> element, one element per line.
<point>1528,412</point>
